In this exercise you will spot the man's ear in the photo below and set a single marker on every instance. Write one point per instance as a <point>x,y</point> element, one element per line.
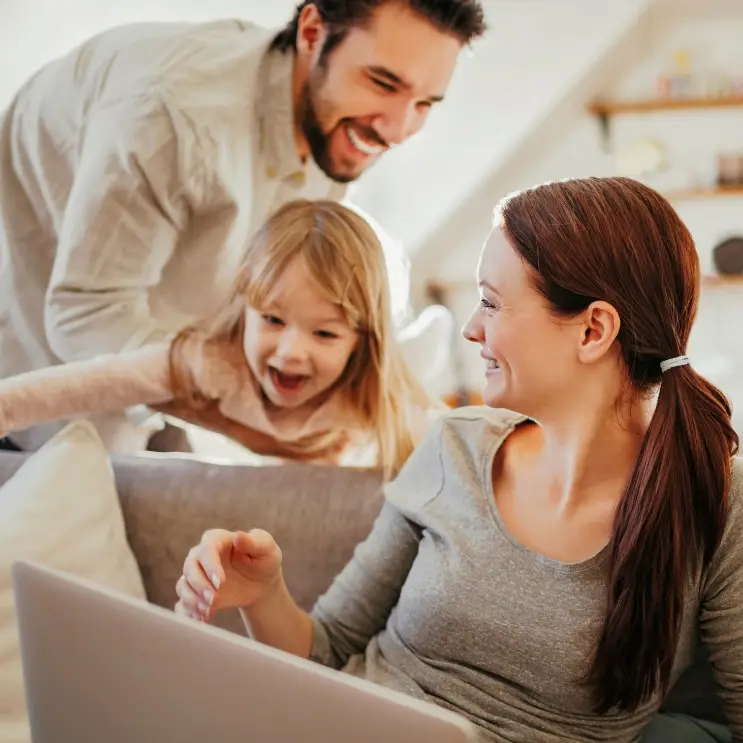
<point>311,33</point>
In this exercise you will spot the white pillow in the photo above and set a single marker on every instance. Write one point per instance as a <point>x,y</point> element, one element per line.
<point>61,510</point>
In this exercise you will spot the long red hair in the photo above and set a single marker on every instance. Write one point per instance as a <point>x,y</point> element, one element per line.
<point>617,240</point>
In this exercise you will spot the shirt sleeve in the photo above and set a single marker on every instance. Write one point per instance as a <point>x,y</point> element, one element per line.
<point>721,613</point>
<point>105,383</point>
<point>358,604</point>
<point>120,227</point>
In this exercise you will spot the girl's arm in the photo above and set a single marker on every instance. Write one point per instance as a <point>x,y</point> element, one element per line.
<point>213,419</point>
<point>105,383</point>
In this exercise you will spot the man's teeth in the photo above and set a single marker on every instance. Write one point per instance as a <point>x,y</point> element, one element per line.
<point>361,145</point>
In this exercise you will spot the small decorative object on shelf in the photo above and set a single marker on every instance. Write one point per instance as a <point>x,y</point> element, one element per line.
<point>680,82</point>
<point>727,257</point>
<point>736,86</point>
<point>641,157</point>
<point>730,169</point>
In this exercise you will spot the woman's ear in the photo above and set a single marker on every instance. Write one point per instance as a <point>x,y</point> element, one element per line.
<point>600,328</point>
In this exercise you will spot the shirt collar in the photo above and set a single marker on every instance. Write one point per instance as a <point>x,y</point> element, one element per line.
<point>276,117</point>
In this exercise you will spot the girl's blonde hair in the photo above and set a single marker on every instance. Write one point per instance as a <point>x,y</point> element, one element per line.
<point>344,256</point>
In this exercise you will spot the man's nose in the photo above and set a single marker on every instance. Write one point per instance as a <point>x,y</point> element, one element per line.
<point>401,120</point>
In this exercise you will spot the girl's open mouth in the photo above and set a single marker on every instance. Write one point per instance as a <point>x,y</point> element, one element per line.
<point>287,383</point>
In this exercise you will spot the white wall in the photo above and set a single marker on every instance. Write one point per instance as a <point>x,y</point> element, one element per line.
<point>572,147</point>
<point>35,31</point>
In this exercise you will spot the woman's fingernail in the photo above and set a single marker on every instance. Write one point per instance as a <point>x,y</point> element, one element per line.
<point>215,580</point>
<point>208,596</point>
<point>203,608</point>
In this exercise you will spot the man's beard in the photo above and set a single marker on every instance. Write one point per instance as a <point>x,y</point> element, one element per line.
<point>317,138</point>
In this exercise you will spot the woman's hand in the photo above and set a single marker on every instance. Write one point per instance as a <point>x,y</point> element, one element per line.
<point>228,570</point>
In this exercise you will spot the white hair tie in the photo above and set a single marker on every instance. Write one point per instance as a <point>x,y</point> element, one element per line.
<point>671,363</point>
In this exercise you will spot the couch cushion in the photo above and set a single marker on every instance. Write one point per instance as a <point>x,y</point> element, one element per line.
<point>59,509</point>
<point>316,514</point>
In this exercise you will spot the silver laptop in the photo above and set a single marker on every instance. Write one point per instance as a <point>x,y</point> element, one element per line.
<point>99,666</point>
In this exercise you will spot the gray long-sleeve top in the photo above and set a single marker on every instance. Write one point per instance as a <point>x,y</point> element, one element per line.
<point>441,603</point>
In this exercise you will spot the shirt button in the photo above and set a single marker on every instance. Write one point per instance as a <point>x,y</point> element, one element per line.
<point>298,178</point>
<point>271,172</point>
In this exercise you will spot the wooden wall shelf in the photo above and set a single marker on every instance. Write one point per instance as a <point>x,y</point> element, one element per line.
<point>704,192</point>
<point>718,280</point>
<point>604,110</point>
<point>647,105</point>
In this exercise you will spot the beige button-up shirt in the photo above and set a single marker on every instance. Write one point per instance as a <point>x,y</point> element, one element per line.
<point>133,172</point>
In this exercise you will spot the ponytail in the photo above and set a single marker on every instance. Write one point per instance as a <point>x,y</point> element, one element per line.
<point>670,517</point>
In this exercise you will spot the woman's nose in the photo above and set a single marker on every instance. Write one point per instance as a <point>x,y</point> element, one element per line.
<point>472,330</point>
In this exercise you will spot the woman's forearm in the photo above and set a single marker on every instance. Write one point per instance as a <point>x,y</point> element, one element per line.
<point>276,620</point>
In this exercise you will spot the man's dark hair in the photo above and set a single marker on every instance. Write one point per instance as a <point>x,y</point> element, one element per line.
<point>465,19</point>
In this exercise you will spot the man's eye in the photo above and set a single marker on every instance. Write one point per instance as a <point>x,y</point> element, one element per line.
<point>385,86</point>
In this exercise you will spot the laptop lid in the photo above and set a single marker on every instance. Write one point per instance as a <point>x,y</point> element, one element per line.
<point>100,666</point>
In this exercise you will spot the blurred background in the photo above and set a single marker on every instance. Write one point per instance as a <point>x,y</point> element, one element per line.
<point>558,88</point>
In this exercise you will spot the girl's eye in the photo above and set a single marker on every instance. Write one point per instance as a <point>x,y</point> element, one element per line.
<point>326,334</point>
<point>272,320</point>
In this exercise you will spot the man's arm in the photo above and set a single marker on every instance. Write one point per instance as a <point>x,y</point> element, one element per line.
<point>119,230</point>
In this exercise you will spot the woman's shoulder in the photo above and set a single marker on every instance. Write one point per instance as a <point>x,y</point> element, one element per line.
<point>467,428</point>
<point>737,480</point>
<point>729,554</point>
<point>456,446</point>
<point>474,423</point>
<point>735,494</point>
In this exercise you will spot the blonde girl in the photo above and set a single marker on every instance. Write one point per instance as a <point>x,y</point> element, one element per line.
<point>300,362</point>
